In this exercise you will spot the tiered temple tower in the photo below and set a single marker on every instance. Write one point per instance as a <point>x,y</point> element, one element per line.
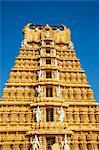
<point>47,103</point>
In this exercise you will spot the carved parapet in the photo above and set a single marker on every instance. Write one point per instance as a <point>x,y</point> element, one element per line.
<point>35,34</point>
<point>48,132</point>
<point>53,126</point>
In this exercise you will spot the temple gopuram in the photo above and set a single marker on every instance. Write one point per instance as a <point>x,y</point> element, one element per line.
<point>47,102</point>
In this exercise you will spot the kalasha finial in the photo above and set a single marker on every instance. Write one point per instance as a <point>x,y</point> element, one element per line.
<point>47,27</point>
<point>36,29</point>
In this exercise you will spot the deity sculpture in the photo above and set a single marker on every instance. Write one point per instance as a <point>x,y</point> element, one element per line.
<point>39,91</point>
<point>61,114</point>
<point>39,74</point>
<point>54,52</point>
<point>41,52</point>
<point>55,61</point>
<point>65,143</point>
<point>40,61</point>
<point>57,74</point>
<point>23,43</point>
<point>53,43</point>
<point>43,43</point>
<point>71,45</point>
<point>35,143</point>
<point>38,114</point>
<point>58,91</point>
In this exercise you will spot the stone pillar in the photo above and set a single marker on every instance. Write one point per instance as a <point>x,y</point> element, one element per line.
<point>55,114</point>
<point>42,142</point>
<point>74,139</point>
<point>58,139</point>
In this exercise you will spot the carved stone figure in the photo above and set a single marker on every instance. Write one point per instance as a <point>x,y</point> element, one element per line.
<point>61,114</point>
<point>65,143</point>
<point>40,61</point>
<point>38,114</point>
<point>35,143</point>
<point>54,52</point>
<point>23,43</point>
<point>57,74</point>
<point>53,43</point>
<point>39,74</point>
<point>58,91</point>
<point>55,61</point>
<point>71,45</point>
<point>39,91</point>
<point>43,43</point>
<point>41,51</point>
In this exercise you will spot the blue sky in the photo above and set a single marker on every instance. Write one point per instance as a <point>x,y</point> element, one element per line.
<point>81,17</point>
